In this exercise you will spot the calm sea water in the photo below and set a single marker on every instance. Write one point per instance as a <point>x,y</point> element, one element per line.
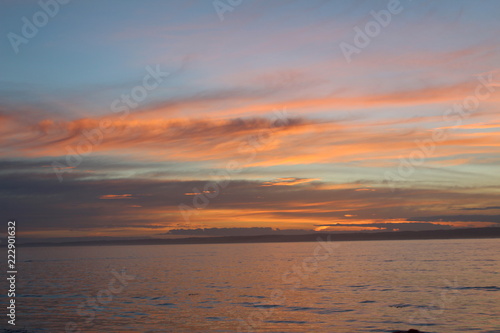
<point>374,286</point>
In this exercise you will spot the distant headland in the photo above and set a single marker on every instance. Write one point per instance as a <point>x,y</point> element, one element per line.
<point>462,233</point>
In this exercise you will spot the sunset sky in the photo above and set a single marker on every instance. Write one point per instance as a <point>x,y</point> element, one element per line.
<point>128,118</point>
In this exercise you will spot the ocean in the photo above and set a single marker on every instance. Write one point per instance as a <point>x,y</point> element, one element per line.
<point>359,286</point>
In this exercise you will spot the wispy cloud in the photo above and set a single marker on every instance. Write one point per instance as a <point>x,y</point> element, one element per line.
<point>115,196</point>
<point>290,181</point>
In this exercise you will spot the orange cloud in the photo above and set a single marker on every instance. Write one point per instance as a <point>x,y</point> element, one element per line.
<point>116,196</point>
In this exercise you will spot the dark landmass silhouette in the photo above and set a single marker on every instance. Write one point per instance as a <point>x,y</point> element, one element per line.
<point>461,233</point>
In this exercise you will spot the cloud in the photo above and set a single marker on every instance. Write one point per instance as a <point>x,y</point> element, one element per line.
<point>181,138</point>
<point>152,132</point>
<point>290,181</point>
<point>482,208</point>
<point>458,218</point>
<point>391,226</point>
<point>116,196</point>
<point>251,231</point>
<point>47,206</point>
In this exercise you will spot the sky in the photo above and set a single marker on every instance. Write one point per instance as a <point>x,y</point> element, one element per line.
<point>149,118</point>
